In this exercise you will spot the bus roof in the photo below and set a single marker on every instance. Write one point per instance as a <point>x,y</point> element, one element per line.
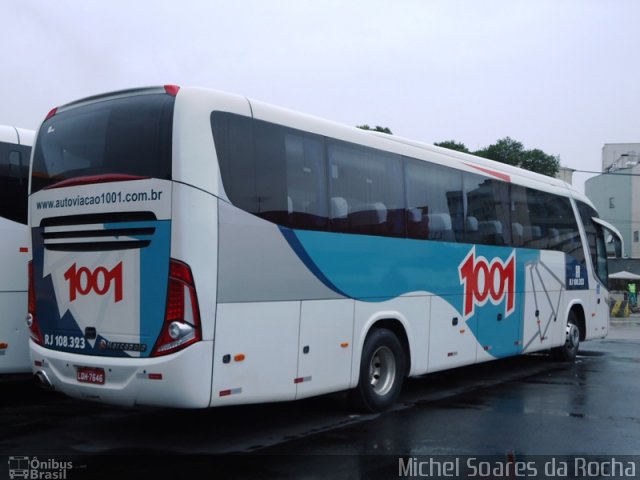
<point>414,148</point>
<point>403,146</point>
<point>19,136</point>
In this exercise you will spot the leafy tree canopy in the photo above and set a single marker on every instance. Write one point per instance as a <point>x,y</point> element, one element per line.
<point>377,128</point>
<point>538,161</point>
<point>505,150</point>
<point>512,152</point>
<point>453,145</point>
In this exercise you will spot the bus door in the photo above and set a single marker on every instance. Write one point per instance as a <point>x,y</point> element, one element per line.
<point>608,244</point>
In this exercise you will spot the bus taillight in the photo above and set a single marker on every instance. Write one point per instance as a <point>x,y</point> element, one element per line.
<point>182,317</point>
<point>172,89</point>
<point>51,113</point>
<point>32,320</point>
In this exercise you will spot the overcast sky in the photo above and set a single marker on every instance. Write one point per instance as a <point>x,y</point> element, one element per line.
<point>559,75</point>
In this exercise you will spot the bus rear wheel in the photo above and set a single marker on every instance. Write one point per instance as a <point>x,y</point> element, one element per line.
<point>569,351</point>
<point>382,369</point>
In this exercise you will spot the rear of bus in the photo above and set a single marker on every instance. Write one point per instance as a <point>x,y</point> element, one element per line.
<point>113,307</point>
<point>15,149</point>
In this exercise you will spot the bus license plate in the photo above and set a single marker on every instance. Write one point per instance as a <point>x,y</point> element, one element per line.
<point>90,375</point>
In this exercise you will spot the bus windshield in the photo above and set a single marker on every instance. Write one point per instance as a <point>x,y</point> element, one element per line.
<point>129,135</point>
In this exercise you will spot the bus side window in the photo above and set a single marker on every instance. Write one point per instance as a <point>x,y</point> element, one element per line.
<point>271,171</point>
<point>369,183</point>
<point>487,200</point>
<point>233,135</point>
<point>559,226</point>
<point>306,180</point>
<point>434,201</point>
<point>13,182</point>
<point>595,241</point>
<point>520,219</point>
<point>601,266</point>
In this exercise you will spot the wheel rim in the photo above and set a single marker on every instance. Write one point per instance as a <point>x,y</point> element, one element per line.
<point>382,370</point>
<point>573,336</point>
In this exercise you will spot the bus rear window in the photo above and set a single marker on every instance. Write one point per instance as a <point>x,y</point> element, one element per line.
<point>129,135</point>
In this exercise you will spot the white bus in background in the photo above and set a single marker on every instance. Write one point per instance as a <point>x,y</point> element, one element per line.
<point>15,150</point>
<point>193,248</point>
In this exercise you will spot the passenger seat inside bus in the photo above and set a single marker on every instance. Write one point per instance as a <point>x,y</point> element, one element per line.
<point>369,214</point>
<point>553,238</point>
<point>369,218</point>
<point>491,232</point>
<point>440,226</point>
<point>417,222</point>
<point>339,213</point>
<point>471,229</point>
<point>517,234</point>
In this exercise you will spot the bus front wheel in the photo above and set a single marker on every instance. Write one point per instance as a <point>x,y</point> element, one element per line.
<point>382,370</point>
<point>569,351</point>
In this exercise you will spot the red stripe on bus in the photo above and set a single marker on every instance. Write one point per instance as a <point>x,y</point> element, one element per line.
<point>500,175</point>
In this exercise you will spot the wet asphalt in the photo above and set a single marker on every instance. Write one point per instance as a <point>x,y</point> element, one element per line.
<point>510,409</point>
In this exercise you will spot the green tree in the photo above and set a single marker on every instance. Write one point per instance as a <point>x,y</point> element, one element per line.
<point>538,161</point>
<point>512,152</point>
<point>377,128</point>
<point>453,145</point>
<point>506,150</point>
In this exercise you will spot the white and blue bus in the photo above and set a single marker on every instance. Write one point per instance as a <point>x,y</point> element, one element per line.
<point>15,150</point>
<point>193,248</point>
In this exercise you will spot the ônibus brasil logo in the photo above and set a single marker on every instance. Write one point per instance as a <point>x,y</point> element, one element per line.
<point>488,281</point>
<point>83,281</point>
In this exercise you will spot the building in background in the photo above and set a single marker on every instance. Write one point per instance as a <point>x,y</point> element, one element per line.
<point>616,195</point>
<point>565,174</point>
<point>617,156</point>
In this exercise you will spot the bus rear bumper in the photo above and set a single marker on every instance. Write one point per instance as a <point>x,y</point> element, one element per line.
<point>182,379</point>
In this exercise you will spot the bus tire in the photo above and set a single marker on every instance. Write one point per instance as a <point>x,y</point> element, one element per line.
<point>382,369</point>
<point>569,351</point>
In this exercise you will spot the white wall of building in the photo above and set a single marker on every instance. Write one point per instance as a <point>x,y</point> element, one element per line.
<point>620,155</point>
